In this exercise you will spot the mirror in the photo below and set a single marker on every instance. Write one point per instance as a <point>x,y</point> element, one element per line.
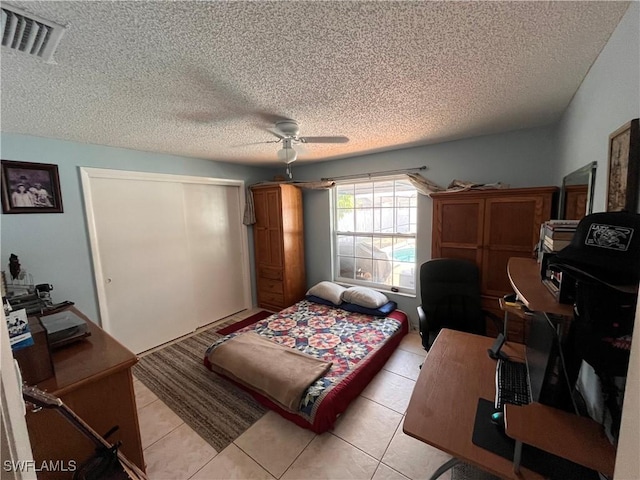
<point>576,194</point>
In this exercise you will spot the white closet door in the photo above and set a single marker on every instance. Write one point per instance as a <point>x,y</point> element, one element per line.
<point>146,269</point>
<point>216,250</point>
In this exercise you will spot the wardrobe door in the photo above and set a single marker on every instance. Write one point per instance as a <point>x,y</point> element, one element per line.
<point>170,253</point>
<point>146,270</point>
<point>458,229</point>
<point>512,229</point>
<point>216,246</point>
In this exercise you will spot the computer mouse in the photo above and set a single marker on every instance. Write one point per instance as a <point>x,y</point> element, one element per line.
<point>497,418</point>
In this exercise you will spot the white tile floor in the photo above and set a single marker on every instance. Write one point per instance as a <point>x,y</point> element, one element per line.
<point>366,443</point>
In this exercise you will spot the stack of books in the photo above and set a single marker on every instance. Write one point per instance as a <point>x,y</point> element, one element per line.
<point>557,234</point>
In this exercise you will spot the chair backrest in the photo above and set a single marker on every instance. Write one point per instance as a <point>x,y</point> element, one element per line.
<point>450,294</point>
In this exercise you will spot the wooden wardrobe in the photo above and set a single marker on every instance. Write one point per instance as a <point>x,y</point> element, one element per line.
<point>279,245</point>
<point>488,227</point>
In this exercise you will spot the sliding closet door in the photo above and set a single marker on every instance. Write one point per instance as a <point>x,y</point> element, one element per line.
<point>141,236</point>
<point>170,253</point>
<point>216,250</point>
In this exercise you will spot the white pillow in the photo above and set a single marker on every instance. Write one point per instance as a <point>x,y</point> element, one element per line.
<point>365,297</point>
<point>328,291</point>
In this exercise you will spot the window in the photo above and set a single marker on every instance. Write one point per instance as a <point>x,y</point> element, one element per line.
<point>375,233</point>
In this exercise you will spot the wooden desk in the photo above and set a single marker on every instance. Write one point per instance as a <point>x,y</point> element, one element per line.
<point>583,441</point>
<point>456,373</point>
<point>92,377</point>
<point>524,275</point>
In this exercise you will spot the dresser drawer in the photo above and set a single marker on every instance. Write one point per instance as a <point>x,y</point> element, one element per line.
<point>271,298</point>
<point>271,286</point>
<point>270,273</point>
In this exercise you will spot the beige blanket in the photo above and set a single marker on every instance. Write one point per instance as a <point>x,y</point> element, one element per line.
<point>280,373</point>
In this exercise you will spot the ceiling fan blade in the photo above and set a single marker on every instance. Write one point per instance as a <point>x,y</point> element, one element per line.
<point>254,143</point>
<point>323,139</point>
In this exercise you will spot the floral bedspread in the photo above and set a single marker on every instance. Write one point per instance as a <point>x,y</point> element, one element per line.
<point>328,333</point>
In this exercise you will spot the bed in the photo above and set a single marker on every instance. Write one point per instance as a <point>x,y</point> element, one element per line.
<point>356,344</point>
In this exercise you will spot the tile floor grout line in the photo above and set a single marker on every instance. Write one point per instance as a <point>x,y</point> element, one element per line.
<point>179,425</point>
<point>168,433</point>
<point>387,449</point>
<point>286,469</point>
<point>206,463</point>
<point>399,374</point>
<point>383,405</point>
<point>354,446</point>
<point>392,437</point>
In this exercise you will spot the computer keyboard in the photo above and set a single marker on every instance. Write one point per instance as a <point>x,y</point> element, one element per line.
<point>512,384</point>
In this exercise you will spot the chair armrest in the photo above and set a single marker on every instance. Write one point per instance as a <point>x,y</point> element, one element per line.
<point>423,327</point>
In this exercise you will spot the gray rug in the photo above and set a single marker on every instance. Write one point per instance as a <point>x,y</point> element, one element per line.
<point>218,410</point>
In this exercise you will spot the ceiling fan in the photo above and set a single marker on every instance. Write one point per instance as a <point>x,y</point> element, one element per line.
<point>288,131</point>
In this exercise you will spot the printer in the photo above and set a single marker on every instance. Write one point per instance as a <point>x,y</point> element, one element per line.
<point>64,327</point>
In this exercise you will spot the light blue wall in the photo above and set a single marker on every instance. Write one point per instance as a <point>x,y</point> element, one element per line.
<point>608,98</point>
<point>55,248</point>
<point>521,158</point>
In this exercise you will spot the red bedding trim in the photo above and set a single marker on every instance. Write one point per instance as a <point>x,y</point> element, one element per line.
<point>338,399</point>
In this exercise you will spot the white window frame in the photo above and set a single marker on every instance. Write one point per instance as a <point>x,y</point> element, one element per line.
<point>335,248</point>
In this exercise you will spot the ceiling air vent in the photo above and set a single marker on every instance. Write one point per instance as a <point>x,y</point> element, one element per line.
<point>29,33</point>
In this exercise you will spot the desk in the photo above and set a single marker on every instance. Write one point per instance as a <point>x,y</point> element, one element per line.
<point>93,378</point>
<point>524,276</point>
<point>456,373</point>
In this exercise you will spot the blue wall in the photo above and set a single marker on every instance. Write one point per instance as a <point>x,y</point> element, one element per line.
<point>55,248</point>
<point>608,98</point>
<point>523,158</point>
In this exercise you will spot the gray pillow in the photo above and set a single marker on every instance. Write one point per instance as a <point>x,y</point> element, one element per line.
<point>328,291</point>
<point>365,297</point>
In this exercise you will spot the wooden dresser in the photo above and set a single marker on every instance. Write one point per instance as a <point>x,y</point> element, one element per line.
<point>93,378</point>
<point>488,227</point>
<point>279,245</point>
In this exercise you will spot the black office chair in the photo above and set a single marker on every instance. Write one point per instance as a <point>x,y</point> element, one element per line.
<point>450,295</point>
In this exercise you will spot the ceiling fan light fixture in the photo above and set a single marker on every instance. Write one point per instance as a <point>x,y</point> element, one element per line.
<point>287,155</point>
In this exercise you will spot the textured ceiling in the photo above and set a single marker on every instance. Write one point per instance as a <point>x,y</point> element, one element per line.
<point>206,79</point>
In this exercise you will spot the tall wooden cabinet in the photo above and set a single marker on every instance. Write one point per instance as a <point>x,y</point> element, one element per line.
<point>488,227</point>
<point>279,245</point>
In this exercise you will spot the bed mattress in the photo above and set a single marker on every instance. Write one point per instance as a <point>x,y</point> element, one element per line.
<point>358,346</point>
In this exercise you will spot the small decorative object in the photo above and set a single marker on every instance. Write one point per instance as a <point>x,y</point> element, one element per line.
<point>30,188</point>
<point>624,153</point>
<point>14,266</point>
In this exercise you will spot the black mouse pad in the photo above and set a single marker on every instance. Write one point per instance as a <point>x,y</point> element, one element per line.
<point>491,437</point>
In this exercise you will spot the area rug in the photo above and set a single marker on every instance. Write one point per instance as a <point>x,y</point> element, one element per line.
<point>216,409</point>
<point>256,317</point>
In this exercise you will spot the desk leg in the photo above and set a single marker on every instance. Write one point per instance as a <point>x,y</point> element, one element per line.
<point>517,456</point>
<point>444,467</point>
<point>506,319</point>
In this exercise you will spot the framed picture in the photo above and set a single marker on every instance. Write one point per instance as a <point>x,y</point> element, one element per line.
<point>30,188</point>
<point>624,153</point>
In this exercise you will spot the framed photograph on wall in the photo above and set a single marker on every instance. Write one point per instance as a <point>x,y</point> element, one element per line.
<point>624,153</point>
<point>30,188</point>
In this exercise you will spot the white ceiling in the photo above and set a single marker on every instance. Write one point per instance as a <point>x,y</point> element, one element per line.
<point>204,79</point>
